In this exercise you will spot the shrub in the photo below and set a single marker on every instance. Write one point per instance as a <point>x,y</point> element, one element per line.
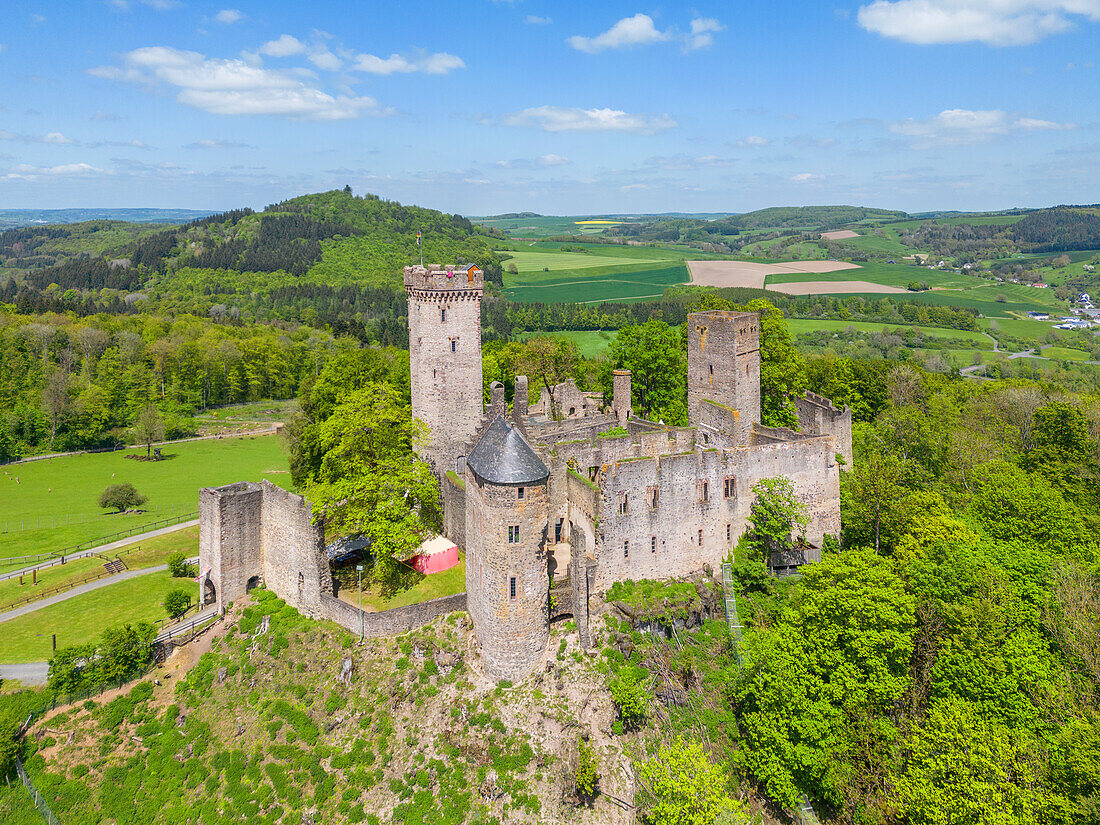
<point>585,777</point>
<point>121,497</point>
<point>178,566</point>
<point>630,699</point>
<point>177,602</point>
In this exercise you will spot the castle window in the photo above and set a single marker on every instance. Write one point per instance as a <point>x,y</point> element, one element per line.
<point>652,496</point>
<point>729,533</point>
<point>626,549</point>
<point>706,491</point>
<point>623,503</point>
<point>729,487</point>
<point>443,314</point>
<point>711,366</point>
<point>700,538</point>
<point>512,588</point>
<point>519,493</point>
<point>513,534</point>
<point>653,544</point>
<point>454,345</point>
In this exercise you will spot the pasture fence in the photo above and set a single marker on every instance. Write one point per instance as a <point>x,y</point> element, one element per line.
<point>39,522</point>
<point>39,800</point>
<point>69,585</point>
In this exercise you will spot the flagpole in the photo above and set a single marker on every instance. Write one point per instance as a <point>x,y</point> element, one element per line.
<point>421,245</point>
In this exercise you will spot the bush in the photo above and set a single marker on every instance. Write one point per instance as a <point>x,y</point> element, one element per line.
<point>178,566</point>
<point>177,602</point>
<point>630,699</point>
<point>585,777</point>
<point>121,497</point>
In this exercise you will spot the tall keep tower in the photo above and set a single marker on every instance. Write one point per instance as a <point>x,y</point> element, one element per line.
<point>445,356</point>
<point>724,365</point>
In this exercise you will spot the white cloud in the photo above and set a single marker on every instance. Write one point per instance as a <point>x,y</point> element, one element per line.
<point>957,127</point>
<point>440,63</point>
<point>535,20</point>
<point>286,46</point>
<point>753,140</point>
<point>554,160</point>
<point>229,16</point>
<point>24,171</point>
<point>324,59</point>
<point>630,31</point>
<point>995,22</point>
<point>55,138</point>
<point>206,143</point>
<point>806,177</point>
<point>570,119</point>
<point>702,33</point>
<point>235,87</point>
<point>159,5</point>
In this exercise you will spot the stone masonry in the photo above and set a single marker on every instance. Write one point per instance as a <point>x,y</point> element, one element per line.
<point>582,496</point>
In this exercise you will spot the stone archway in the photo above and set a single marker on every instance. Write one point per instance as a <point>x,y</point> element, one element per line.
<point>253,583</point>
<point>209,593</point>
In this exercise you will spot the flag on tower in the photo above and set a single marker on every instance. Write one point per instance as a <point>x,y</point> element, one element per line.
<point>418,238</point>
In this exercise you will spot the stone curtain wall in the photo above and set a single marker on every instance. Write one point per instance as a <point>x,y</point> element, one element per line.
<point>818,415</point>
<point>446,384</point>
<point>454,508</point>
<point>724,364</point>
<point>388,622</point>
<point>295,564</point>
<point>625,544</point>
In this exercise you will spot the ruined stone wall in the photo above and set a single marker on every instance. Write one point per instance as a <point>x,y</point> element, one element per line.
<point>511,632</point>
<point>724,364</point>
<point>671,516</point>
<point>230,538</point>
<point>445,358</point>
<point>389,622</point>
<point>719,425</point>
<point>453,489</point>
<point>295,564</point>
<point>570,401</point>
<point>819,416</point>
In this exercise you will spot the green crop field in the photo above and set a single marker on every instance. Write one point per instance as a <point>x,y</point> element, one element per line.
<point>967,339</point>
<point>50,504</point>
<point>546,225</point>
<point>1065,354</point>
<point>82,618</point>
<point>882,273</point>
<point>875,244</point>
<point>538,260</point>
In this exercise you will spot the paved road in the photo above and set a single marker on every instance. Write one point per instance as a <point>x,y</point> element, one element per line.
<point>184,626</point>
<point>78,591</point>
<point>103,548</point>
<point>29,673</point>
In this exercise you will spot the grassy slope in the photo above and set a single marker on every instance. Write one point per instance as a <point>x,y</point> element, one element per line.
<point>590,343</point>
<point>973,340</point>
<point>82,618</point>
<point>146,553</point>
<point>279,735</point>
<point>48,491</point>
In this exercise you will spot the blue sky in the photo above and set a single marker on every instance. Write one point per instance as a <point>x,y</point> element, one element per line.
<point>557,107</point>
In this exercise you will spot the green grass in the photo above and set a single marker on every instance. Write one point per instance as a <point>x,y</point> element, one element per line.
<point>16,805</point>
<point>886,274</point>
<point>976,339</point>
<point>590,344</point>
<point>437,585</point>
<point>82,618</point>
<point>56,490</point>
<point>535,260</point>
<point>596,284</point>
<point>146,553</point>
<point>875,244</point>
<point>1065,354</point>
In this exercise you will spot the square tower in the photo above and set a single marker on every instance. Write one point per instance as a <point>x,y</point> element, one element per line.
<point>445,356</point>
<point>724,365</point>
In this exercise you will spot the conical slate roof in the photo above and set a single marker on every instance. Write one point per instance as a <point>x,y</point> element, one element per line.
<point>503,456</point>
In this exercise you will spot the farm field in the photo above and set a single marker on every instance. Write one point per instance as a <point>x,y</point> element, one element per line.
<point>146,553</point>
<point>966,338</point>
<point>82,618</point>
<point>546,225</point>
<point>603,273</point>
<point>1065,354</point>
<point>50,504</point>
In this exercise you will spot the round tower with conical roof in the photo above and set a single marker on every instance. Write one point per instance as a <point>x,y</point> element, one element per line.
<point>507,578</point>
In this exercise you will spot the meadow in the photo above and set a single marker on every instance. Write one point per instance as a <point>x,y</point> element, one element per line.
<point>590,343</point>
<point>82,618</point>
<point>966,339</point>
<point>51,504</point>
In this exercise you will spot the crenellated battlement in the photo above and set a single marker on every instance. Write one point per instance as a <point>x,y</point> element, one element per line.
<point>450,279</point>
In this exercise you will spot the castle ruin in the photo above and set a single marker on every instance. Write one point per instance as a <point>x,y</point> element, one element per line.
<point>571,498</point>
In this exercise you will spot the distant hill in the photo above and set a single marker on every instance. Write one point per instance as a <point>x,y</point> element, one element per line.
<point>10,218</point>
<point>330,238</point>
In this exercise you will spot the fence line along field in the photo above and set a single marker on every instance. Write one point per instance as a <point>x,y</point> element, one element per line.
<point>51,504</point>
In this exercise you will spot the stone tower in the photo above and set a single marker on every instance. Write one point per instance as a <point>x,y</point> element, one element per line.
<point>445,357</point>
<point>507,578</point>
<point>724,365</point>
